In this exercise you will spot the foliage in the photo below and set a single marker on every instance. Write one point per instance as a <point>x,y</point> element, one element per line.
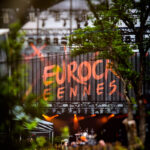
<point>65,132</point>
<point>57,139</point>
<point>106,38</point>
<point>41,141</point>
<point>18,110</point>
<point>110,46</point>
<point>118,146</point>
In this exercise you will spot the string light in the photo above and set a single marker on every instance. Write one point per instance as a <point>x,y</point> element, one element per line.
<point>49,118</point>
<point>75,120</point>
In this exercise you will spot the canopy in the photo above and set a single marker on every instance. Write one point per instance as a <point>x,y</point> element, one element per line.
<point>43,127</point>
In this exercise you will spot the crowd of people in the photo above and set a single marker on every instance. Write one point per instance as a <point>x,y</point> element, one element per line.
<point>83,140</point>
<point>101,145</point>
<point>87,140</point>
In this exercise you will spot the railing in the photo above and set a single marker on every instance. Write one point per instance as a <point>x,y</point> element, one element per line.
<point>77,84</point>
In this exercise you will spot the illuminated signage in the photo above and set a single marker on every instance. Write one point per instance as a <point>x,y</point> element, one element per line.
<point>77,79</point>
<point>80,73</point>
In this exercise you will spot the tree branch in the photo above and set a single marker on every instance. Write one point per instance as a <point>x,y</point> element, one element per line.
<point>91,6</point>
<point>144,17</point>
<point>92,9</point>
<point>124,16</point>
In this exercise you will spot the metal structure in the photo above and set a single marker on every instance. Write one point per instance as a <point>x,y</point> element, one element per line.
<point>44,128</point>
<point>44,49</point>
<point>86,108</point>
<point>83,85</point>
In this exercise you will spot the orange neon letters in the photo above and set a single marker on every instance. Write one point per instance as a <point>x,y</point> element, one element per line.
<point>75,72</point>
<point>47,75</point>
<point>85,90</point>
<point>46,93</point>
<point>71,72</point>
<point>62,80</point>
<point>73,91</point>
<point>114,86</point>
<point>60,91</point>
<point>80,70</point>
<point>99,88</point>
<point>97,77</point>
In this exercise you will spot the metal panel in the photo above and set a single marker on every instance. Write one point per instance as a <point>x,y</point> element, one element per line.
<point>88,83</point>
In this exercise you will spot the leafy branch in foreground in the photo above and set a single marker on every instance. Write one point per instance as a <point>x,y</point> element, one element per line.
<point>106,38</point>
<point>19,111</point>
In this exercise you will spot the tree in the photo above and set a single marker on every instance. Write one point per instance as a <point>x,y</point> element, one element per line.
<point>18,110</point>
<point>106,38</point>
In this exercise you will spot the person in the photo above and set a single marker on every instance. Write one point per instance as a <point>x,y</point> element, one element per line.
<point>85,134</point>
<point>73,144</point>
<point>65,145</point>
<point>83,140</point>
<point>102,144</point>
<point>78,141</point>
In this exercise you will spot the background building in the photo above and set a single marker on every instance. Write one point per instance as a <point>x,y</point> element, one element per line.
<point>53,25</point>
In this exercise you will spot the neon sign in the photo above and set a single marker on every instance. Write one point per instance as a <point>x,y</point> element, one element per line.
<point>76,76</point>
<point>82,82</point>
<point>74,72</point>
